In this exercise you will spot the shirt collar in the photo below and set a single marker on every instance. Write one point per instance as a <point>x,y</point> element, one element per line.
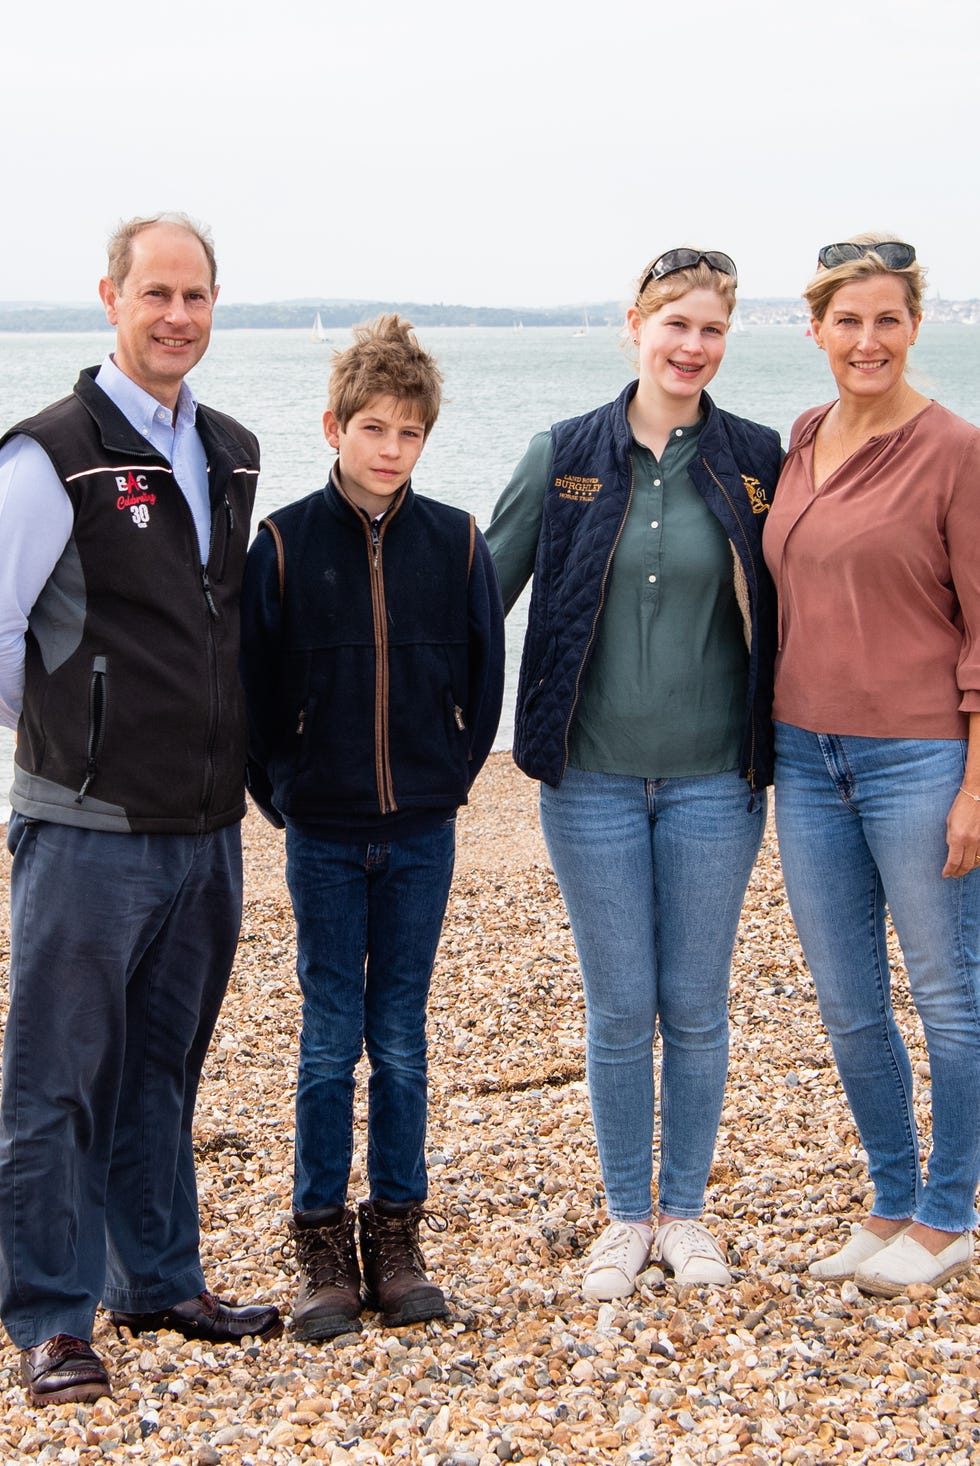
<point>139,406</point>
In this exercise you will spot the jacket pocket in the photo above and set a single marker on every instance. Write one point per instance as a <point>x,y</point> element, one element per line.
<point>98,716</point>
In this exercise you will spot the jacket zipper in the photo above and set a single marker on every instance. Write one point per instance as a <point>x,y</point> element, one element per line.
<point>207,786</point>
<point>382,761</point>
<point>595,620</point>
<point>98,700</point>
<point>747,561</point>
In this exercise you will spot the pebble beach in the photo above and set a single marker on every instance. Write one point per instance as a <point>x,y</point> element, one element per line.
<point>777,1368</point>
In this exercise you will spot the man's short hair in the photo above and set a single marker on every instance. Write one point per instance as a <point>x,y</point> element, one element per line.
<point>385,360</point>
<point>121,243</point>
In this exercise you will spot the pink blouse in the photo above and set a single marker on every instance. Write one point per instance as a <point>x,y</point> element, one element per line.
<point>878,574</point>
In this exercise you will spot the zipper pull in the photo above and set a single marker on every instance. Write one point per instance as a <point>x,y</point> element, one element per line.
<point>458,715</point>
<point>209,598</point>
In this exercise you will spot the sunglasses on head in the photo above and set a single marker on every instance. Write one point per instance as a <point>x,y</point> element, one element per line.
<point>891,252</point>
<point>673,260</point>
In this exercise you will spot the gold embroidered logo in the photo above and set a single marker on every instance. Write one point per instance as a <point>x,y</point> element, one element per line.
<point>756,493</point>
<point>578,490</point>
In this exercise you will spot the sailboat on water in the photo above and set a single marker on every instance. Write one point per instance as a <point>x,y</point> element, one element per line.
<point>319,329</point>
<point>582,330</point>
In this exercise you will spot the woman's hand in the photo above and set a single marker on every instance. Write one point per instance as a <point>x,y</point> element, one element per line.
<point>962,836</point>
<point>963,820</point>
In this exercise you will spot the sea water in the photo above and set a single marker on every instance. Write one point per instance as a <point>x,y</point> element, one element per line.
<point>501,386</point>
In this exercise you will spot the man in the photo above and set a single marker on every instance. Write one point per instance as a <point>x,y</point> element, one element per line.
<point>125,511</point>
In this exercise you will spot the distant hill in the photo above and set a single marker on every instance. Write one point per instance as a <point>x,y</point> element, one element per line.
<point>334,315</point>
<point>341,314</point>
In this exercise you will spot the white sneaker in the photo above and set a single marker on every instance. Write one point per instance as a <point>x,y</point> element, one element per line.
<point>690,1250</point>
<point>616,1260</point>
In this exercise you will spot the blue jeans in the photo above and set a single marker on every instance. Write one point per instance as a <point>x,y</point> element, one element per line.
<point>653,873</point>
<point>368,921</point>
<point>862,823</point>
<point>121,946</point>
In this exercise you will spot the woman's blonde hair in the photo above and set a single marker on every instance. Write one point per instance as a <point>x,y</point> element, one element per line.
<point>825,284</point>
<point>657,293</point>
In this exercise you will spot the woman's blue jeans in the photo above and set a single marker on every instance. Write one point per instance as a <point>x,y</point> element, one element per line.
<point>653,873</point>
<point>862,825</point>
<point>368,921</point>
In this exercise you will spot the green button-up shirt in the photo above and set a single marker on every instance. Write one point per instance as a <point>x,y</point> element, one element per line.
<point>664,695</point>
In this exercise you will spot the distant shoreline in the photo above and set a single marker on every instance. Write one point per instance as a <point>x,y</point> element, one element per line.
<point>37,317</point>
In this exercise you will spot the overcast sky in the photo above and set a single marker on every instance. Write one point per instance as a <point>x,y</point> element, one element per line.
<point>521,152</point>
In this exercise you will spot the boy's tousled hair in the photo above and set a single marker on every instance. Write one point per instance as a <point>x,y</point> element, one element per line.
<point>385,360</point>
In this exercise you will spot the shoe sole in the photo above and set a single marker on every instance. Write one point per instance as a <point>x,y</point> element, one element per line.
<point>272,1333</point>
<point>198,1335</point>
<point>420,1312</point>
<point>83,1394</point>
<point>883,1288</point>
<point>320,1330</point>
<point>700,1282</point>
<point>606,1296</point>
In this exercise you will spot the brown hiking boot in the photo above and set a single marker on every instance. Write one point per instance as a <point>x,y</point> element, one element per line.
<point>329,1299</point>
<point>394,1269</point>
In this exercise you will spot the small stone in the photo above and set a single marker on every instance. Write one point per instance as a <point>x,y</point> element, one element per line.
<point>228,1435</point>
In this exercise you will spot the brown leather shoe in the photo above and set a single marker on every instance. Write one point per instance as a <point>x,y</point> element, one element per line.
<point>63,1368</point>
<point>205,1317</point>
<point>394,1268</point>
<point>329,1300</point>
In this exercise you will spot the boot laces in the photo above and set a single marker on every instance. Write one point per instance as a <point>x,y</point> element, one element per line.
<point>323,1254</point>
<point>396,1240</point>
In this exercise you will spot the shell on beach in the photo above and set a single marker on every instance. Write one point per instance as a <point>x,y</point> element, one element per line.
<point>778,1368</point>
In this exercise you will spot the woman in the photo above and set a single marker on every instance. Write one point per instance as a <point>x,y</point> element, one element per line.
<point>643,708</point>
<point>873,546</point>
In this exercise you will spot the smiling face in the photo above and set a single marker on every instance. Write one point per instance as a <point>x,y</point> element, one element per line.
<point>680,348</point>
<point>162,310</point>
<point>866,332</point>
<point>377,450</point>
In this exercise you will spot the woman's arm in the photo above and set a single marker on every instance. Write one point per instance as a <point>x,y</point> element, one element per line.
<point>963,820</point>
<point>962,519</point>
<point>516,523</point>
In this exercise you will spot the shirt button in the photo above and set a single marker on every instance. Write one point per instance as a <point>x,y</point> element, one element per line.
<point>652,579</point>
<point>656,483</point>
<point>678,432</point>
<point>654,523</point>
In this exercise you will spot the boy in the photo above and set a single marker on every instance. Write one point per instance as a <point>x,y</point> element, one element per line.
<point>373,667</point>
